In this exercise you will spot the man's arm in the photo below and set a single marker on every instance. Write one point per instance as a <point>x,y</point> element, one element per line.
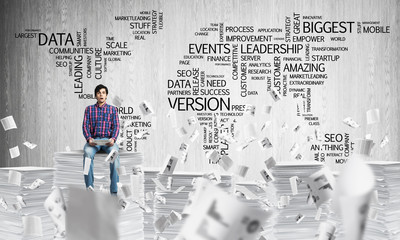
<point>86,125</point>
<point>115,126</point>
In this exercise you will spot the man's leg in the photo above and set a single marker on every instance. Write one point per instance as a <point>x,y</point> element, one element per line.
<point>89,151</point>
<point>114,178</point>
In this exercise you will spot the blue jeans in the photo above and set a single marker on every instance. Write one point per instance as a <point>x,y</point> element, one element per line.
<point>89,152</point>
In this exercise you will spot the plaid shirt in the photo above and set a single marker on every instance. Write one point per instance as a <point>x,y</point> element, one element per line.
<point>100,121</point>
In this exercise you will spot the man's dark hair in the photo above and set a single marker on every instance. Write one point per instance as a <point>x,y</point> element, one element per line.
<point>100,86</point>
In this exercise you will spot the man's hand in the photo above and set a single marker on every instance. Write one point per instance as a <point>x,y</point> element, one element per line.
<point>92,143</point>
<point>110,143</point>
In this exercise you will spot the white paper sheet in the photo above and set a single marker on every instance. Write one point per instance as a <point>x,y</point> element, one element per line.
<point>8,123</point>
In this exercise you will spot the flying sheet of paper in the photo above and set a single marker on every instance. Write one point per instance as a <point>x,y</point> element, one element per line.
<point>213,176</point>
<point>30,145</point>
<point>32,226</point>
<point>267,109</point>
<point>318,134</point>
<point>299,157</point>
<point>172,117</point>
<point>350,122</point>
<point>265,125</point>
<point>184,147</point>
<point>283,201</point>
<point>56,208</point>
<point>249,194</point>
<point>88,162</point>
<point>170,180</point>
<point>299,218</point>
<point>149,196</point>
<point>318,214</point>
<point>161,223</point>
<point>265,143</point>
<point>321,185</point>
<point>3,203</point>
<point>384,141</point>
<point>270,162</point>
<point>293,184</point>
<point>242,170</point>
<point>194,135</point>
<point>117,101</point>
<point>159,184</point>
<point>8,123</point>
<point>355,186</point>
<point>21,201</point>
<point>126,190</point>
<point>160,199</point>
<point>91,215</point>
<point>137,170</point>
<point>225,162</point>
<point>174,217</point>
<point>227,137</point>
<point>170,164</point>
<point>181,131</point>
<point>179,189</point>
<point>212,217</point>
<point>363,146</point>
<point>123,204</point>
<point>111,156</point>
<point>192,120</point>
<point>213,156</point>
<point>14,152</point>
<point>294,149</point>
<point>36,184</point>
<point>250,109</point>
<point>14,177</point>
<point>146,108</point>
<point>142,133</point>
<point>373,116</point>
<point>17,206</point>
<point>326,231</point>
<point>275,95</point>
<point>267,175</point>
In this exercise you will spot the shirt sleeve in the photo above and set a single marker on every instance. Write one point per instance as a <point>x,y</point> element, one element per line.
<point>86,124</point>
<point>115,126</point>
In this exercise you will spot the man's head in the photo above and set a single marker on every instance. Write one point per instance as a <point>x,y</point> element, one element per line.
<point>101,93</point>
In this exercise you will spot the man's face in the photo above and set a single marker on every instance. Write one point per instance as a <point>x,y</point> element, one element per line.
<point>101,96</point>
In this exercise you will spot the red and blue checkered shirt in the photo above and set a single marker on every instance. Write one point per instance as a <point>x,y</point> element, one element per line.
<point>100,121</point>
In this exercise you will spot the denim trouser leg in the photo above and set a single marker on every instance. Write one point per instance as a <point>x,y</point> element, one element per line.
<point>89,152</point>
<point>114,178</point>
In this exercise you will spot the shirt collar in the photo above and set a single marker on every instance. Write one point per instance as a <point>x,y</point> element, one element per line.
<point>104,105</point>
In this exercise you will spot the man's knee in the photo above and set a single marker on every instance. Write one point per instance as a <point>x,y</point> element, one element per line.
<point>89,151</point>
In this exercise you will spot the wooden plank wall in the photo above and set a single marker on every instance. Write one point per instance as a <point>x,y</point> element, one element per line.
<point>46,111</point>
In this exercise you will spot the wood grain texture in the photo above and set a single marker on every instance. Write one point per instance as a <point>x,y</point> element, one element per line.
<point>41,99</point>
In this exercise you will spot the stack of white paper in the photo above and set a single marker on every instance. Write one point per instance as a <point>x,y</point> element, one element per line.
<point>384,212</point>
<point>23,191</point>
<point>174,196</point>
<point>296,218</point>
<point>149,190</point>
<point>69,172</point>
<point>258,196</point>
